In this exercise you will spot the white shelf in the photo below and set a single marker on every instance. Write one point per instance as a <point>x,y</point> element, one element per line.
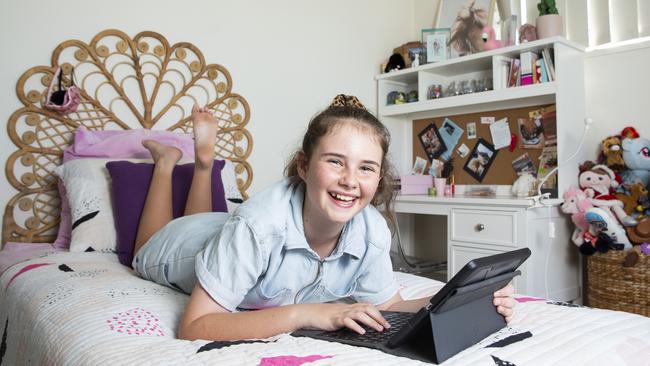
<point>477,60</point>
<point>516,97</point>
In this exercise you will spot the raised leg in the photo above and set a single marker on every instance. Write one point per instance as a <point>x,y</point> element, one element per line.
<point>157,211</point>
<point>199,198</point>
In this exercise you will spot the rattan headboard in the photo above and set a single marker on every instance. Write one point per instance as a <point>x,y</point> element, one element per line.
<point>126,83</point>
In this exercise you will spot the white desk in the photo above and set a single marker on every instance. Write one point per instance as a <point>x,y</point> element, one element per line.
<point>477,227</point>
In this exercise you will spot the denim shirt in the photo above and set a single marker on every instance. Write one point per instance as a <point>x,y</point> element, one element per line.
<point>261,258</point>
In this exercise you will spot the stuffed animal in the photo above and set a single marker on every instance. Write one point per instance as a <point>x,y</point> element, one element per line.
<point>576,204</point>
<point>636,153</point>
<point>490,39</point>
<point>612,153</point>
<point>395,62</point>
<point>599,182</point>
<point>524,185</point>
<point>634,196</point>
<point>602,222</point>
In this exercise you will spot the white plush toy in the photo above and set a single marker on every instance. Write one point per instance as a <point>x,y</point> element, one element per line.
<point>524,185</point>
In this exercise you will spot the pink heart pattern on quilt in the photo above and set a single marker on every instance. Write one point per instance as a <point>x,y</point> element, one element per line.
<point>136,321</point>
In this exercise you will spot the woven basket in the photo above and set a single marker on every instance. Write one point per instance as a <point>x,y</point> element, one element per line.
<point>612,286</point>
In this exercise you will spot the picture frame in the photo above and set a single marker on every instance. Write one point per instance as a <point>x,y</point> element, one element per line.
<point>465,19</point>
<point>436,44</point>
<point>480,160</point>
<point>432,142</point>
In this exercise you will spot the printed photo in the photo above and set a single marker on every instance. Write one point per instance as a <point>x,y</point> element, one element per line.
<point>530,132</point>
<point>451,134</point>
<point>480,160</point>
<point>463,150</point>
<point>419,166</point>
<point>432,142</point>
<point>471,130</point>
<point>524,164</point>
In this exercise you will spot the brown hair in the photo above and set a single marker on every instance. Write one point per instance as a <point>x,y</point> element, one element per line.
<point>345,107</point>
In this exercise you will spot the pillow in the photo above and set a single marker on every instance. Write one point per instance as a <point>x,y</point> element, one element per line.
<point>130,183</point>
<point>88,194</point>
<point>116,144</point>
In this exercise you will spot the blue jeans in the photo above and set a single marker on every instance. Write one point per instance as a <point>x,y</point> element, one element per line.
<point>168,257</point>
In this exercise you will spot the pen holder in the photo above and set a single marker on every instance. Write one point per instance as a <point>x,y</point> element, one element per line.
<point>440,184</point>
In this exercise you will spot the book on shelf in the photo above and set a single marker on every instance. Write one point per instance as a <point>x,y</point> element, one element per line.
<point>540,71</point>
<point>547,56</point>
<point>527,74</point>
<point>501,71</point>
<point>513,74</point>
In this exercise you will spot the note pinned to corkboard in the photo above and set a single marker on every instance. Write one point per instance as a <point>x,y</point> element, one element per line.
<point>500,171</point>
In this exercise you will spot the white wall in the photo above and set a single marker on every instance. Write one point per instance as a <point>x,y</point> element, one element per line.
<point>288,58</point>
<point>617,83</point>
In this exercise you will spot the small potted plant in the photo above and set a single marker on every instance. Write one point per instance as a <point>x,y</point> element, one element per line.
<point>549,22</point>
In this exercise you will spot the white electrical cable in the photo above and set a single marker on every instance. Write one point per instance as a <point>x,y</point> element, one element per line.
<point>588,122</point>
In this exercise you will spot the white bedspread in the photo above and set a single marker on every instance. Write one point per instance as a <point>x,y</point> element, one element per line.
<point>87,309</point>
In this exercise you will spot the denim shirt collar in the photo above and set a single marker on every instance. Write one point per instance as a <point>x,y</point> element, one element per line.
<point>351,240</point>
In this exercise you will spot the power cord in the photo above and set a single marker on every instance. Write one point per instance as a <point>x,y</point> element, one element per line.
<point>415,267</point>
<point>541,199</point>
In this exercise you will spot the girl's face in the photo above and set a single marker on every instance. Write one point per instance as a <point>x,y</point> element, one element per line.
<point>341,177</point>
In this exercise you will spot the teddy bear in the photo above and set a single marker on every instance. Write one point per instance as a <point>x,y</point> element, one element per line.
<point>598,181</point>
<point>636,154</point>
<point>612,153</point>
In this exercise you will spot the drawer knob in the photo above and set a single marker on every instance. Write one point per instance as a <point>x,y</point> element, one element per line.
<point>480,227</point>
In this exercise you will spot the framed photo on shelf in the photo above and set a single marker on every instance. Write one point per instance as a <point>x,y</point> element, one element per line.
<point>435,41</point>
<point>480,159</point>
<point>432,142</point>
<point>465,19</point>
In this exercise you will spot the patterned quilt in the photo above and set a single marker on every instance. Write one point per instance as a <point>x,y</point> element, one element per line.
<point>87,309</point>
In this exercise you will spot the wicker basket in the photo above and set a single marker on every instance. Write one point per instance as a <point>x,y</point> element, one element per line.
<point>612,286</point>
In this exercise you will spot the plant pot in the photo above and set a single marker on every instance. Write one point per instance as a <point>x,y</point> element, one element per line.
<point>549,25</point>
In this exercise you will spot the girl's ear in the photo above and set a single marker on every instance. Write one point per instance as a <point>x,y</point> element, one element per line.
<point>301,164</point>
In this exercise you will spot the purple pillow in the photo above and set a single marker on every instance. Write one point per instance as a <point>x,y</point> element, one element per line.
<point>130,183</point>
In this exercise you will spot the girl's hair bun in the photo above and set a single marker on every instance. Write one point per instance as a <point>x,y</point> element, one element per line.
<point>343,100</point>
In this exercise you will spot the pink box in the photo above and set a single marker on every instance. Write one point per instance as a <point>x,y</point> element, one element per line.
<point>415,184</point>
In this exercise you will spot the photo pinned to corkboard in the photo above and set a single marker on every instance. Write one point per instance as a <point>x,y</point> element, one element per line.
<point>432,142</point>
<point>501,170</point>
<point>480,159</point>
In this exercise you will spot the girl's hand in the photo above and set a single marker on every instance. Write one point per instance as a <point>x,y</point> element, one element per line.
<point>504,302</point>
<point>335,316</point>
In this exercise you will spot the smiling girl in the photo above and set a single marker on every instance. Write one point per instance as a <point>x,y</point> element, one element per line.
<point>290,250</point>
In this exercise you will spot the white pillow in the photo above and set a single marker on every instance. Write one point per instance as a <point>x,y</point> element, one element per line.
<point>89,195</point>
<point>230,190</point>
<point>88,185</point>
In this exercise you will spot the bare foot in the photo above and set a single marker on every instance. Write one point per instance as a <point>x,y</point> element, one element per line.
<point>205,136</point>
<point>164,156</point>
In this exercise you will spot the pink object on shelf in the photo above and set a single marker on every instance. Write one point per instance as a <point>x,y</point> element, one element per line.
<point>441,186</point>
<point>415,184</point>
<point>490,39</point>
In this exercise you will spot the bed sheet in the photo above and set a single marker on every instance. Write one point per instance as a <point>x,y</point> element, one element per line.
<point>87,309</point>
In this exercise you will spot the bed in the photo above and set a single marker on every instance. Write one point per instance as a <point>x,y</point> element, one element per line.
<point>81,306</point>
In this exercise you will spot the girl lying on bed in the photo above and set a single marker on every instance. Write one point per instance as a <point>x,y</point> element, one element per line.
<point>310,239</point>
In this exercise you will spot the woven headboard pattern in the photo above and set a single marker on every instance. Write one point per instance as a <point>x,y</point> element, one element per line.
<point>126,83</point>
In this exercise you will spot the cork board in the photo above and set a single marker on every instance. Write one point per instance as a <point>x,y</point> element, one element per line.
<point>500,171</point>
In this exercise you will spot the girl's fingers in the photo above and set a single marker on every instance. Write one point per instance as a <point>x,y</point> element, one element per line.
<point>369,321</point>
<point>506,312</point>
<point>506,291</point>
<point>376,316</point>
<point>352,325</point>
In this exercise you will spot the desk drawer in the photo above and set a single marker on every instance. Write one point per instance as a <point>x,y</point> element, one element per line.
<point>484,226</point>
